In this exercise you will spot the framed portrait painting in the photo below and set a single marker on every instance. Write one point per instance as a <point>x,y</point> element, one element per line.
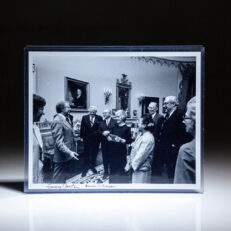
<point>77,94</point>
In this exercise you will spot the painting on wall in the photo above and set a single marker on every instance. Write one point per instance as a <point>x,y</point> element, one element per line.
<point>77,94</point>
<point>123,95</point>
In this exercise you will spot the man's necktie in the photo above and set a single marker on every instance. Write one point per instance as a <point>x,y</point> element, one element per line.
<point>68,120</point>
<point>164,121</point>
<point>92,120</point>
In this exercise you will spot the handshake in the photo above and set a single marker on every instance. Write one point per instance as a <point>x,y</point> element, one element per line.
<point>116,139</point>
<point>113,138</point>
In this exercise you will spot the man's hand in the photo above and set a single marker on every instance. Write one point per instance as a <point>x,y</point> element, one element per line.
<point>122,140</point>
<point>109,138</point>
<point>75,155</point>
<point>117,139</point>
<point>128,165</point>
<point>105,133</point>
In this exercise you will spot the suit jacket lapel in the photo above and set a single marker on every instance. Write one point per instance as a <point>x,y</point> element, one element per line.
<point>155,119</point>
<point>67,124</point>
<point>108,125</point>
<point>112,122</point>
<point>88,119</point>
<point>95,120</point>
<point>104,124</point>
<point>170,119</point>
<point>172,116</point>
<point>64,121</point>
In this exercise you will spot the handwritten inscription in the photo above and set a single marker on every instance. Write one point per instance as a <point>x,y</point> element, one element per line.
<point>75,186</point>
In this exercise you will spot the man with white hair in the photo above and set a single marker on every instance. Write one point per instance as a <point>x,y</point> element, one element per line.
<point>106,127</point>
<point>185,165</point>
<point>171,136</point>
<point>89,132</point>
<point>156,117</point>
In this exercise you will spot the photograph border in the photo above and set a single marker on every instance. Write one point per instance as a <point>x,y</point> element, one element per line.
<point>27,103</point>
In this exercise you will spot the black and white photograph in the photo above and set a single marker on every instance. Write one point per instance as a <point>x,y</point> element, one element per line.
<point>109,119</point>
<point>115,116</point>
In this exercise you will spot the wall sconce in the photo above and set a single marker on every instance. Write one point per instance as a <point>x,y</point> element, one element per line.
<point>107,94</point>
<point>140,99</point>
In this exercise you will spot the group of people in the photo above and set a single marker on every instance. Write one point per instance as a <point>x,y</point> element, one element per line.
<point>164,144</point>
<point>171,132</point>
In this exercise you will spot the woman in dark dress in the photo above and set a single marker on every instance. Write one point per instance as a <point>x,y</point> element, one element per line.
<point>119,137</point>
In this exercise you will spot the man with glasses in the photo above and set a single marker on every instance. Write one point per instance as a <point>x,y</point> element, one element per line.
<point>185,165</point>
<point>65,147</point>
<point>171,136</point>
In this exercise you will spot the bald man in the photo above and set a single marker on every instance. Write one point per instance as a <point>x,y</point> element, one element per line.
<point>89,132</point>
<point>157,120</point>
<point>156,117</point>
<point>106,127</point>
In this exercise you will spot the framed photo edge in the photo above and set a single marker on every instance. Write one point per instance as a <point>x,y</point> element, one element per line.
<point>171,48</point>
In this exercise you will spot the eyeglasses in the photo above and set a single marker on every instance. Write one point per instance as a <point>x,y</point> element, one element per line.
<point>167,103</point>
<point>186,118</point>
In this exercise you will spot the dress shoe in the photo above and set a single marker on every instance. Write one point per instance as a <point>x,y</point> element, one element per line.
<point>105,176</point>
<point>84,173</point>
<point>94,170</point>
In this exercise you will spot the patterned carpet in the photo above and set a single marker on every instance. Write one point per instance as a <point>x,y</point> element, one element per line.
<point>90,177</point>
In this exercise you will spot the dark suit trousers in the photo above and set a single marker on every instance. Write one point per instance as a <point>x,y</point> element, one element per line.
<point>63,171</point>
<point>164,158</point>
<point>47,170</point>
<point>105,155</point>
<point>90,153</point>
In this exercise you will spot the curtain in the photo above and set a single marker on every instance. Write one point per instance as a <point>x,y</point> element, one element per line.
<point>187,85</point>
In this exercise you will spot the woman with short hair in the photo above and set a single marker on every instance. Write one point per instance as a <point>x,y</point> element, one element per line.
<point>119,137</point>
<point>140,159</point>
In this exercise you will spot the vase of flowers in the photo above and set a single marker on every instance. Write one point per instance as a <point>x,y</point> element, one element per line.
<point>107,94</point>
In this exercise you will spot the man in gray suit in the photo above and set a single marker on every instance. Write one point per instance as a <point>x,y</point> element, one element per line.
<point>65,148</point>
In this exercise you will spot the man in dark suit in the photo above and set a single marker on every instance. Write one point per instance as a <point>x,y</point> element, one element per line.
<point>89,132</point>
<point>157,121</point>
<point>171,136</point>
<point>79,100</point>
<point>65,148</point>
<point>156,117</point>
<point>105,128</point>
